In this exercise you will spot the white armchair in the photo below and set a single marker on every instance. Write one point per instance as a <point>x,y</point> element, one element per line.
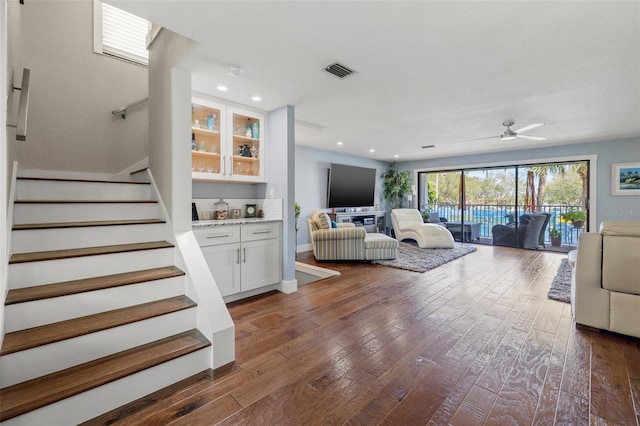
<point>605,287</point>
<point>408,224</point>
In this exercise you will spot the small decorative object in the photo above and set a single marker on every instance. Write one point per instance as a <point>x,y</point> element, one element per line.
<point>251,210</point>
<point>236,213</point>
<point>211,122</point>
<point>255,130</point>
<point>196,124</point>
<point>260,213</point>
<point>193,141</point>
<point>202,146</point>
<point>254,151</point>
<point>194,212</point>
<point>244,151</point>
<point>248,130</point>
<point>221,209</point>
<point>625,178</point>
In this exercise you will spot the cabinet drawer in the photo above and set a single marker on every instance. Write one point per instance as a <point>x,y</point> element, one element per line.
<point>218,235</point>
<point>260,232</point>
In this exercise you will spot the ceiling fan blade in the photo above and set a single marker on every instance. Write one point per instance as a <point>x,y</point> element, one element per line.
<point>529,127</point>
<point>532,138</point>
<point>477,139</point>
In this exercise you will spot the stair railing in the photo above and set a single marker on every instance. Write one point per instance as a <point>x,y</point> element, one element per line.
<point>123,109</point>
<point>23,106</point>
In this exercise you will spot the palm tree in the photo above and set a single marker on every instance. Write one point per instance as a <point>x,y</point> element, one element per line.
<point>582,170</point>
<point>541,172</point>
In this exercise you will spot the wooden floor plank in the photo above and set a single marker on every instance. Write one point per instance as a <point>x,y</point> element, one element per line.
<point>512,407</point>
<point>474,341</point>
<point>475,407</point>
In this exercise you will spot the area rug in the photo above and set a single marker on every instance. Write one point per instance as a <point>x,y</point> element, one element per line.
<point>413,258</point>
<point>561,284</point>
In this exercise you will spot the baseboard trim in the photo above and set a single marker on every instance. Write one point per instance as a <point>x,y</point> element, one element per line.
<point>304,247</point>
<point>288,286</point>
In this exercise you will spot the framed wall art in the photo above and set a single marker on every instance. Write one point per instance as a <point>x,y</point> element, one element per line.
<point>625,178</point>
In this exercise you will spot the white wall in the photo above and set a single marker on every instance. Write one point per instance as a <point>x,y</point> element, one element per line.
<point>170,122</point>
<point>74,90</point>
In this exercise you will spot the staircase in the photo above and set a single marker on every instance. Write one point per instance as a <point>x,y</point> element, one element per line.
<point>96,314</point>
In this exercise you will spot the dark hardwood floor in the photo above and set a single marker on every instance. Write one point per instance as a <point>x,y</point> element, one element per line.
<point>475,341</point>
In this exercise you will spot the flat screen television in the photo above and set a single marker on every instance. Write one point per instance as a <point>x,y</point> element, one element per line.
<point>351,186</point>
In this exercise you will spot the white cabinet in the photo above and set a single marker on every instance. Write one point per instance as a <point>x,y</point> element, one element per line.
<point>227,143</point>
<point>242,257</point>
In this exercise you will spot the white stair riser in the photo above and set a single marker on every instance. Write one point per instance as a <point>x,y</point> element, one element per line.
<point>76,212</point>
<point>90,404</point>
<point>25,315</point>
<point>31,363</point>
<point>32,240</point>
<point>27,189</point>
<point>51,271</point>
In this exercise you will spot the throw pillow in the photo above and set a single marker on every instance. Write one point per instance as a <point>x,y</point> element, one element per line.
<point>323,221</point>
<point>334,224</point>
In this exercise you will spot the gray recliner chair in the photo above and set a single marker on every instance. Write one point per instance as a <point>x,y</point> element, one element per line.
<point>529,234</point>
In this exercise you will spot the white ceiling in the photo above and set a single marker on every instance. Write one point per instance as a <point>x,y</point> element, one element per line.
<point>428,72</point>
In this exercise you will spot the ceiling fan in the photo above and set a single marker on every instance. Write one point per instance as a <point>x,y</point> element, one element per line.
<point>509,134</point>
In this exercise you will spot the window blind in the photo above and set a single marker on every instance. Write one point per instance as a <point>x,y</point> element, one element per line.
<point>124,35</point>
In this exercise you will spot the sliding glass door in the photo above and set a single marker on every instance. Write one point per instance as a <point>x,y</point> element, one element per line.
<point>526,205</point>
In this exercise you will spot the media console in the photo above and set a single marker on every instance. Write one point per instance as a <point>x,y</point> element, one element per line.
<point>372,221</point>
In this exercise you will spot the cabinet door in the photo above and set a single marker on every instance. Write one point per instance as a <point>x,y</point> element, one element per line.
<point>246,145</point>
<point>260,263</point>
<point>208,127</point>
<point>224,263</point>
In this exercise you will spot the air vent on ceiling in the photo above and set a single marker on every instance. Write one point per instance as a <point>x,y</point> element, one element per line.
<point>338,70</point>
<point>428,146</point>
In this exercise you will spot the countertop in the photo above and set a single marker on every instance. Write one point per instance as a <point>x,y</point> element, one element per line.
<point>196,224</point>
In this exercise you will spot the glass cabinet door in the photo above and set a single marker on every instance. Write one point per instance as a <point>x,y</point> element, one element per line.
<point>247,150</point>
<point>207,142</point>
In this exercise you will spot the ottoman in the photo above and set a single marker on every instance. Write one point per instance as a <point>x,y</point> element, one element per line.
<point>379,246</point>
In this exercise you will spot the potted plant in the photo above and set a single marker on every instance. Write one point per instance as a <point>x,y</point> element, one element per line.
<point>556,236</point>
<point>396,186</point>
<point>576,217</point>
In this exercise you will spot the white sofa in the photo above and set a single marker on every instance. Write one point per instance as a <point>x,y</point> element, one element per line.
<point>605,286</point>
<point>408,224</point>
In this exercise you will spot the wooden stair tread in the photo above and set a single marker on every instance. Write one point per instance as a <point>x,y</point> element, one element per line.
<point>66,288</point>
<point>86,251</point>
<point>85,202</point>
<point>33,394</point>
<point>84,180</point>
<point>63,330</point>
<point>28,226</point>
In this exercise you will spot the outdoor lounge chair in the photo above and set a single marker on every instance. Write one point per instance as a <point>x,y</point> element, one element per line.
<point>529,234</point>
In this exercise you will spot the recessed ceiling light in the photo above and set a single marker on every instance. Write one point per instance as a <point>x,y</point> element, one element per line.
<point>340,143</point>
<point>396,156</point>
<point>256,98</point>
<point>372,150</point>
<point>222,88</point>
